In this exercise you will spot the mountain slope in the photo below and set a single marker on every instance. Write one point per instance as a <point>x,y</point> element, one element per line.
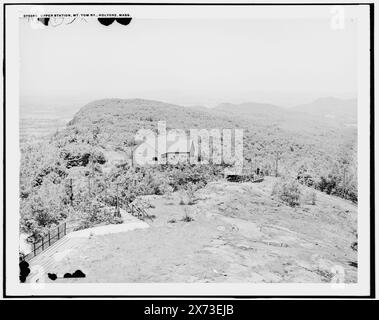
<point>333,108</point>
<point>120,119</point>
<point>252,108</point>
<point>81,158</point>
<point>298,137</point>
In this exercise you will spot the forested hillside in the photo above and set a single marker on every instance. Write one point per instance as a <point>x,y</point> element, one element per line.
<point>73,171</point>
<point>342,110</point>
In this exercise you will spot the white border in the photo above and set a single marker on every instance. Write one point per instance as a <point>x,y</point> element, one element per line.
<point>235,289</point>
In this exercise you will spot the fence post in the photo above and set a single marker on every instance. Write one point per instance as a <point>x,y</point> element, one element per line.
<point>58,232</point>
<point>49,239</point>
<point>43,238</point>
<point>117,202</point>
<point>71,193</point>
<point>65,229</point>
<point>34,248</point>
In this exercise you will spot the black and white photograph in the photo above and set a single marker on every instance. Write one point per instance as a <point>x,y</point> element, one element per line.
<point>200,150</point>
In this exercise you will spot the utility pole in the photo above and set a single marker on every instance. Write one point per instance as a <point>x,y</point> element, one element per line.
<point>276,163</point>
<point>71,193</point>
<point>344,180</point>
<point>106,190</point>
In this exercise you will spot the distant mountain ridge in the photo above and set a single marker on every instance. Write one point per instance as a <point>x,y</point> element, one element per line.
<point>343,109</point>
<point>321,106</point>
<point>250,107</point>
<point>327,111</point>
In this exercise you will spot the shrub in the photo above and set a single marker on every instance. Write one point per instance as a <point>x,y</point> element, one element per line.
<point>352,194</point>
<point>187,217</point>
<point>328,184</point>
<point>333,184</point>
<point>304,177</point>
<point>165,188</point>
<point>43,209</point>
<point>93,212</point>
<point>187,194</point>
<point>143,203</point>
<point>288,192</point>
<point>190,193</point>
<point>183,174</point>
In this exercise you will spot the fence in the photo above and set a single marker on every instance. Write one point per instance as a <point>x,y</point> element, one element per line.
<point>61,230</point>
<point>135,210</point>
<point>48,240</point>
<point>66,227</point>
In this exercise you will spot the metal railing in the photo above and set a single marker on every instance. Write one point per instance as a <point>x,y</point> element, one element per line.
<point>49,239</point>
<point>67,226</point>
<point>135,210</point>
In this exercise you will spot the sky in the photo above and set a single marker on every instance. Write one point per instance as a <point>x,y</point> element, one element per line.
<point>189,62</point>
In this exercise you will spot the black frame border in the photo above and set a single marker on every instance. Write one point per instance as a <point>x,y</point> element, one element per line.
<point>372,154</point>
